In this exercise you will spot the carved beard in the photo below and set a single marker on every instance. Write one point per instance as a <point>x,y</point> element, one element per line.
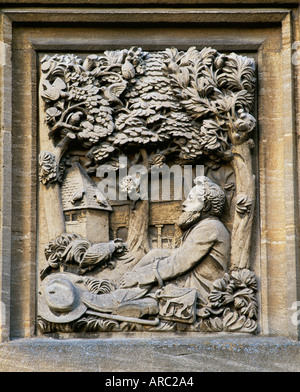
<point>187,219</point>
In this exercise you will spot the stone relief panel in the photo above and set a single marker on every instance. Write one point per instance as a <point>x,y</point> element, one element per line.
<point>148,191</point>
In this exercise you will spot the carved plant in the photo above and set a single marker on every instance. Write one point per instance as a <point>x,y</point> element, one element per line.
<point>192,105</point>
<point>98,286</point>
<point>217,91</point>
<point>95,324</point>
<point>127,97</point>
<point>72,249</point>
<point>234,297</point>
<point>47,167</point>
<point>55,249</point>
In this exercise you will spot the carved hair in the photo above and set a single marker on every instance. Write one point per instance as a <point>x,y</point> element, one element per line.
<point>214,197</point>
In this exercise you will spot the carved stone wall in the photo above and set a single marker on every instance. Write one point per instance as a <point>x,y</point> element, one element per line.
<point>194,86</point>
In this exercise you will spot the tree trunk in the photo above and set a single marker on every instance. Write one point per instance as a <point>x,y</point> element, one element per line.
<point>137,239</point>
<point>245,201</point>
<point>51,192</point>
<point>138,228</point>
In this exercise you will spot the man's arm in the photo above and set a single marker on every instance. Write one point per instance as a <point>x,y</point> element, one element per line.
<point>197,245</point>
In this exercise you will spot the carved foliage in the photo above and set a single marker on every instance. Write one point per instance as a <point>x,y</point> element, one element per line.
<point>47,167</point>
<point>234,294</point>
<point>196,101</point>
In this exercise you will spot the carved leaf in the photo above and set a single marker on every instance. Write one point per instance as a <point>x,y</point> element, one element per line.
<point>95,324</point>
<point>232,321</point>
<point>238,73</point>
<point>212,324</point>
<point>249,326</point>
<point>47,167</point>
<point>243,204</point>
<point>98,286</point>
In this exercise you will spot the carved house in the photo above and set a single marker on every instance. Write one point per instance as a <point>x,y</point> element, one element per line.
<point>85,208</point>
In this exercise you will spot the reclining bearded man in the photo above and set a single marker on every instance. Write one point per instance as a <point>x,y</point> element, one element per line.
<point>202,257</point>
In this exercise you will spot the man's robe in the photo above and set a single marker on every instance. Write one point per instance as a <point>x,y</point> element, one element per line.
<point>202,258</point>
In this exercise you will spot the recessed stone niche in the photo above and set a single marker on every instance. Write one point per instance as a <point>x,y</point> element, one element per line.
<point>149,175</point>
<point>118,131</point>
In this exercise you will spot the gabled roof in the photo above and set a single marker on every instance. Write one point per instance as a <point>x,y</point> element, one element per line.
<point>80,192</point>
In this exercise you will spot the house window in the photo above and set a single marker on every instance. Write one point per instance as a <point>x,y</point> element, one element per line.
<point>70,216</point>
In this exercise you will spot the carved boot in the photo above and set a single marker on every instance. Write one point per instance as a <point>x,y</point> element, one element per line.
<point>138,308</point>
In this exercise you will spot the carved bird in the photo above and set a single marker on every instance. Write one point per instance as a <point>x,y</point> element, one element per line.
<point>89,256</point>
<point>77,196</point>
<point>101,254</point>
<point>53,91</point>
<point>113,92</point>
<point>100,199</point>
<point>76,250</point>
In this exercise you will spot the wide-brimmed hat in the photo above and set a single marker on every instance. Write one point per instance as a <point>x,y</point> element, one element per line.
<point>60,298</point>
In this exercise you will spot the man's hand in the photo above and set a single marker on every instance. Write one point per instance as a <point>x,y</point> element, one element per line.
<point>129,280</point>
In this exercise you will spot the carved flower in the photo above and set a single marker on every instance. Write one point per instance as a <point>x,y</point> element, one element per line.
<point>129,184</point>
<point>244,278</point>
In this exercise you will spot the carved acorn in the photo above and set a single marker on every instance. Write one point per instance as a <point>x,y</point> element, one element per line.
<point>89,62</point>
<point>75,118</point>
<point>245,122</point>
<point>128,70</point>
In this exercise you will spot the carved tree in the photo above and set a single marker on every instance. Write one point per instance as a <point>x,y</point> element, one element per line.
<point>193,106</point>
<point>218,93</point>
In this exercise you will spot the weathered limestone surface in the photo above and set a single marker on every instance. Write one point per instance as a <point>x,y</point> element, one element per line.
<point>155,354</point>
